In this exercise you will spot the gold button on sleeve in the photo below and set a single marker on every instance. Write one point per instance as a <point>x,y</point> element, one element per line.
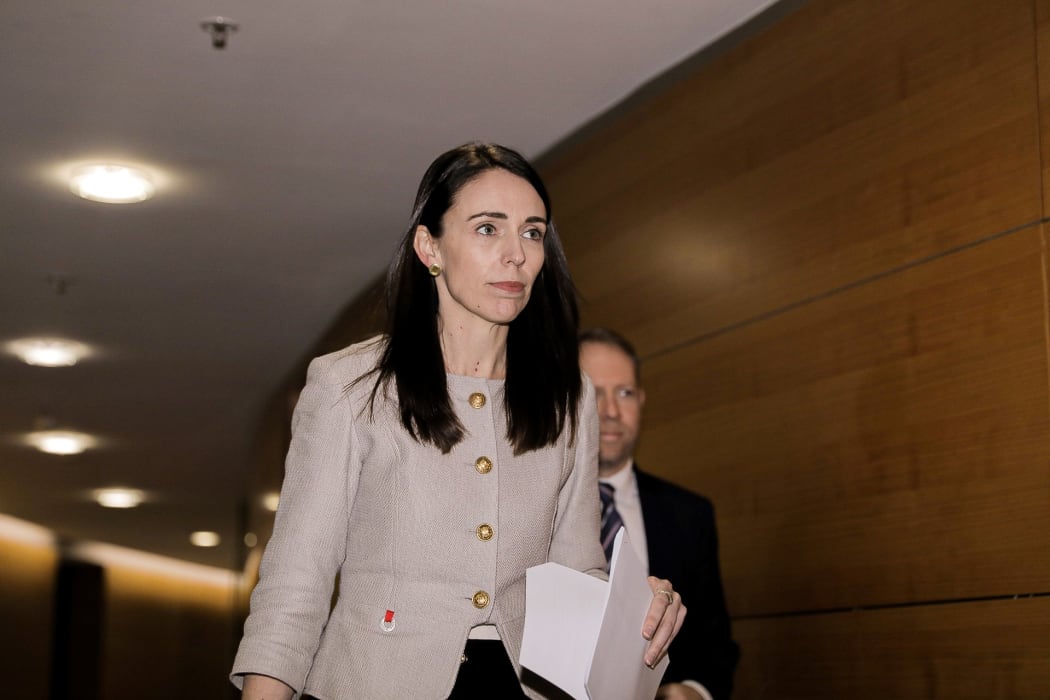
<point>477,400</point>
<point>485,532</point>
<point>480,600</point>
<point>483,465</point>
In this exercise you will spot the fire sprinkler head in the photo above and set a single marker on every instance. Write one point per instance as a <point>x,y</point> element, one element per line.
<point>220,29</point>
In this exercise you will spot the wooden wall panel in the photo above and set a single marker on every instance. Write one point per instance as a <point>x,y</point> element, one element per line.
<point>852,138</point>
<point>980,651</point>
<point>27,571</point>
<point>1042,12</point>
<point>167,638</point>
<point>883,445</point>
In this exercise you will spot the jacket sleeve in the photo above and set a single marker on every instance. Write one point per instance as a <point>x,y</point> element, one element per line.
<point>575,541</point>
<point>291,602</point>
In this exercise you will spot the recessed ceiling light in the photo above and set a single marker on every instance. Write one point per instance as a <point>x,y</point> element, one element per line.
<point>270,501</point>
<point>115,184</point>
<point>48,352</point>
<point>203,538</point>
<point>60,442</point>
<point>119,498</point>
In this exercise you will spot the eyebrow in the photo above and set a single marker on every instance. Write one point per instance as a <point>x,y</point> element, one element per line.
<point>501,215</point>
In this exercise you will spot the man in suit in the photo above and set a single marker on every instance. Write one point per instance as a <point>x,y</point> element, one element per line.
<point>673,530</point>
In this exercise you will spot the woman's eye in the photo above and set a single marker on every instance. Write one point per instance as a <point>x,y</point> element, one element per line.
<point>533,234</point>
<point>486,229</point>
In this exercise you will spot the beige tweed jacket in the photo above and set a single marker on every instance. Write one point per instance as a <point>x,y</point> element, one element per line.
<point>425,545</point>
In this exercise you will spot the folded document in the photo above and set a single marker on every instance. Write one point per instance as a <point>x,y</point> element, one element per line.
<point>584,635</point>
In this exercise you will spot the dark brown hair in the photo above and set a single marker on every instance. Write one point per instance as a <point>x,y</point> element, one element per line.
<point>543,385</point>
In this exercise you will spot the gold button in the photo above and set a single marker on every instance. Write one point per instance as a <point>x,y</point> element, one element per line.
<point>483,465</point>
<point>463,658</point>
<point>484,532</point>
<point>477,400</point>
<point>481,600</point>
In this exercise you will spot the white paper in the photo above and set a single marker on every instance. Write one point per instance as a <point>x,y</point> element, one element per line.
<point>571,640</point>
<point>617,669</point>
<point>563,615</point>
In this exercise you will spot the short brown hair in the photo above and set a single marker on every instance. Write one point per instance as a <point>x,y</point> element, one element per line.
<point>607,336</point>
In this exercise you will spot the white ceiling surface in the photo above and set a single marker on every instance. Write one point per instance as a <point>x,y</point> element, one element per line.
<point>286,165</point>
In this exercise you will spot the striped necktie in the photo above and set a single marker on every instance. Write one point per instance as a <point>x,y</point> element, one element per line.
<point>611,520</point>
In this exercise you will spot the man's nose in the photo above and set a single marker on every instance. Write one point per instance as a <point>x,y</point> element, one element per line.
<point>607,406</point>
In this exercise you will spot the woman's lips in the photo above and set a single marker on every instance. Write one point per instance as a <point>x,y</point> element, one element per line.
<point>513,287</point>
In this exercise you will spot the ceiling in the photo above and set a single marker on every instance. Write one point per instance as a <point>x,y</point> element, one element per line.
<point>285,167</point>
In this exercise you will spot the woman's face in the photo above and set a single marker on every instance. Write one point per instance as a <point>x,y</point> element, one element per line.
<point>490,250</point>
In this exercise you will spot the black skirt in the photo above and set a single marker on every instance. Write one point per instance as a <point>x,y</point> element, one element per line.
<point>485,671</point>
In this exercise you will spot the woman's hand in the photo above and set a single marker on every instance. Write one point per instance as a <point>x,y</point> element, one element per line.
<point>664,619</point>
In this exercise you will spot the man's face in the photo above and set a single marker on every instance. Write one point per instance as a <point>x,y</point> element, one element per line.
<point>620,402</point>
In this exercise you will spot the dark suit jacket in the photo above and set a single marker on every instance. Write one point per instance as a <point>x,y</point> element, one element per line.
<point>683,548</point>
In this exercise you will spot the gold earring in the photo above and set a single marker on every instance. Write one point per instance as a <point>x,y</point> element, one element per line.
<point>434,270</point>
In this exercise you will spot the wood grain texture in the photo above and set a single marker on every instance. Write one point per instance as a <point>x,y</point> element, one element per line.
<point>1042,14</point>
<point>849,139</point>
<point>981,651</point>
<point>882,445</point>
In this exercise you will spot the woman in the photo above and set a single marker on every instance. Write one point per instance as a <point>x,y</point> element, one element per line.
<point>429,468</point>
